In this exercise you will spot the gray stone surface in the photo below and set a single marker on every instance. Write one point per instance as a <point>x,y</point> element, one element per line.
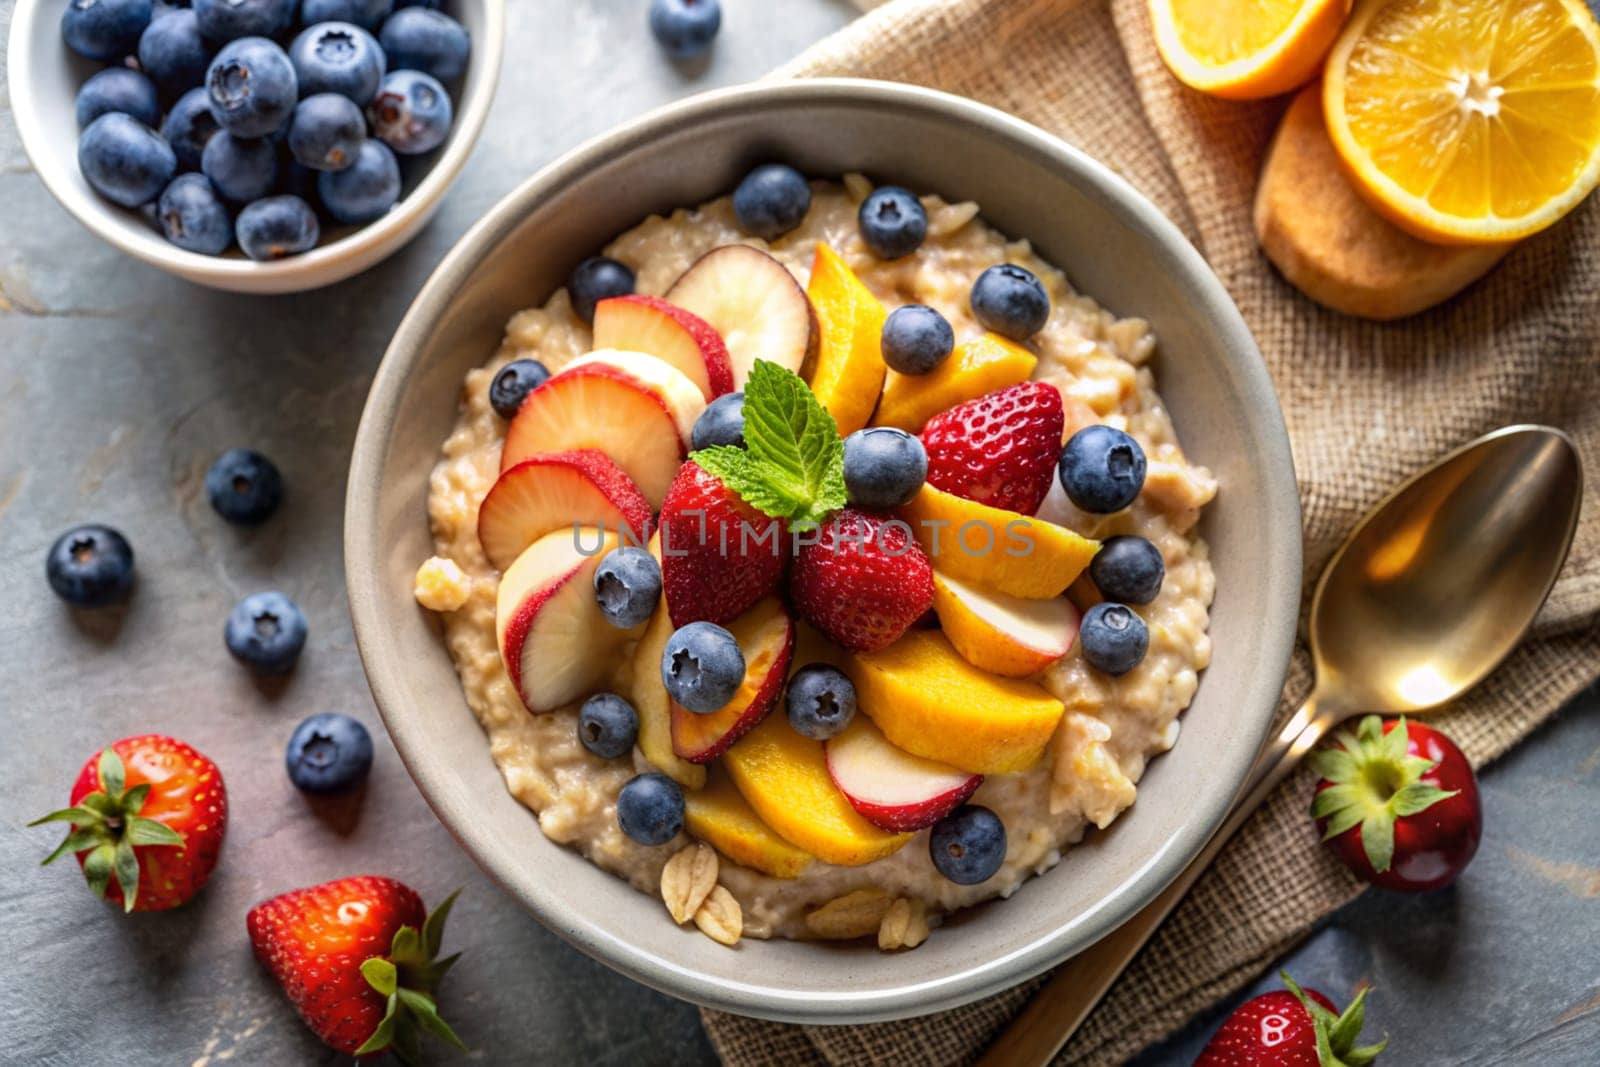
<point>119,384</point>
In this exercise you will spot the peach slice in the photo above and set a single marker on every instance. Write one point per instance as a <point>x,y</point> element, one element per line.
<point>1001,634</point>
<point>557,491</point>
<point>849,369</point>
<point>556,645</point>
<point>929,701</point>
<point>766,637</point>
<point>976,367</point>
<point>891,788</point>
<point>682,339</point>
<point>784,777</point>
<point>721,818</point>
<point>754,303</point>
<point>994,548</point>
<point>631,406</point>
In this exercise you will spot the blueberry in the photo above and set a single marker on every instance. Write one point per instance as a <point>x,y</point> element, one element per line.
<point>189,126</point>
<point>125,160</point>
<point>771,200</point>
<point>702,667</point>
<point>276,227</point>
<point>1128,569</point>
<point>595,279</point>
<point>608,725</point>
<point>893,222</point>
<point>244,486</point>
<point>650,809</point>
<point>968,845</point>
<point>326,132</point>
<point>338,57</point>
<point>721,423</point>
<point>364,191</point>
<point>242,168</point>
<point>411,113</point>
<point>105,30</point>
<point>119,89</point>
<point>685,28</point>
<point>883,467</point>
<point>916,339</point>
<point>820,701</point>
<point>229,20</point>
<point>627,586</point>
<point>192,215</point>
<point>1102,469</point>
<point>513,383</point>
<point>1009,300</point>
<point>368,14</point>
<point>266,631</point>
<point>419,39</point>
<point>252,87</point>
<point>1114,639</point>
<point>172,51</point>
<point>90,566</point>
<point>328,753</point>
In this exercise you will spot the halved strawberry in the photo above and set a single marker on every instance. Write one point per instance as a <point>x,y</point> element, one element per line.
<point>356,958</point>
<point>148,817</point>
<point>1000,449</point>
<point>719,555</point>
<point>861,580</point>
<point>555,491</point>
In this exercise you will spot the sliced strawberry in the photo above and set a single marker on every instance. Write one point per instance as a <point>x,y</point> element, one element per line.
<point>1000,449</point>
<point>356,958</point>
<point>150,799</point>
<point>862,580</point>
<point>719,555</point>
<point>559,490</point>
<point>1284,1028</point>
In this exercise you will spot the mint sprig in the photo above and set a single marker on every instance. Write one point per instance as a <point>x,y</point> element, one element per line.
<point>792,465</point>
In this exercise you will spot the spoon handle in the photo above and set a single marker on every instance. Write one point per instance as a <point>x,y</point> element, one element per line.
<point>1034,1037</point>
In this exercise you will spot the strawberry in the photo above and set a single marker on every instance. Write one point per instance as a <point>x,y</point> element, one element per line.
<point>356,958</point>
<point>1000,449</point>
<point>719,555</point>
<point>148,816</point>
<point>1290,1028</point>
<point>862,580</point>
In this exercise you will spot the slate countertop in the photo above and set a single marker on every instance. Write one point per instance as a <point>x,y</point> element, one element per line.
<point>119,384</point>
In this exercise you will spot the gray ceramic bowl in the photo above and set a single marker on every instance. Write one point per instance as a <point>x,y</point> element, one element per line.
<point>1114,245</point>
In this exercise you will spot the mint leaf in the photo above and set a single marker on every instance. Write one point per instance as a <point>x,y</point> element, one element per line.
<point>793,464</point>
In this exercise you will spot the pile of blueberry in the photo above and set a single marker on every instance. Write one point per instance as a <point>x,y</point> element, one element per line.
<point>256,120</point>
<point>91,566</point>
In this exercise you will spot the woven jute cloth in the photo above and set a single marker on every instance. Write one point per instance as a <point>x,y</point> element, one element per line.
<point>1367,404</point>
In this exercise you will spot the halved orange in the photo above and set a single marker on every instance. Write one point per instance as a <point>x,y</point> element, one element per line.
<point>1246,49</point>
<point>1468,121</point>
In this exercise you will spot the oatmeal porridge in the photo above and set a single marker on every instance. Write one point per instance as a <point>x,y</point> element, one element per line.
<point>775,841</point>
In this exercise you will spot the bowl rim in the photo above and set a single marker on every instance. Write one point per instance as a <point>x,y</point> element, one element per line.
<point>323,265</point>
<point>1260,689</point>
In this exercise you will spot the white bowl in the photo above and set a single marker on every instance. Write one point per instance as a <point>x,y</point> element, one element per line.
<point>44,81</point>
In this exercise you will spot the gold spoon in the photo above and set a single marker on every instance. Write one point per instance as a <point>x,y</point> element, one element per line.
<point>1429,593</point>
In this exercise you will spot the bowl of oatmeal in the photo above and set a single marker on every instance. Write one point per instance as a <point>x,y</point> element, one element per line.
<point>1038,743</point>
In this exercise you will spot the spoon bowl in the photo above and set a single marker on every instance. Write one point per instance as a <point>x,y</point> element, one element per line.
<point>1444,576</point>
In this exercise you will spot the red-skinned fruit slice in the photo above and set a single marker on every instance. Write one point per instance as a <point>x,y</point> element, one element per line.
<point>556,491</point>
<point>766,637</point>
<point>148,817</point>
<point>1398,804</point>
<point>358,960</point>
<point>753,303</point>
<point>678,337</point>
<point>891,788</point>
<point>719,555</point>
<point>631,406</point>
<point>1290,1028</point>
<point>555,644</point>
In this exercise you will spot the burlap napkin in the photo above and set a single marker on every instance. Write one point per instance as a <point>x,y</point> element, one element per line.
<point>1366,404</point>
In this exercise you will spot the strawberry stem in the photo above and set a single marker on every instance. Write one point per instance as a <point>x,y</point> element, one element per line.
<point>1373,781</point>
<point>407,977</point>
